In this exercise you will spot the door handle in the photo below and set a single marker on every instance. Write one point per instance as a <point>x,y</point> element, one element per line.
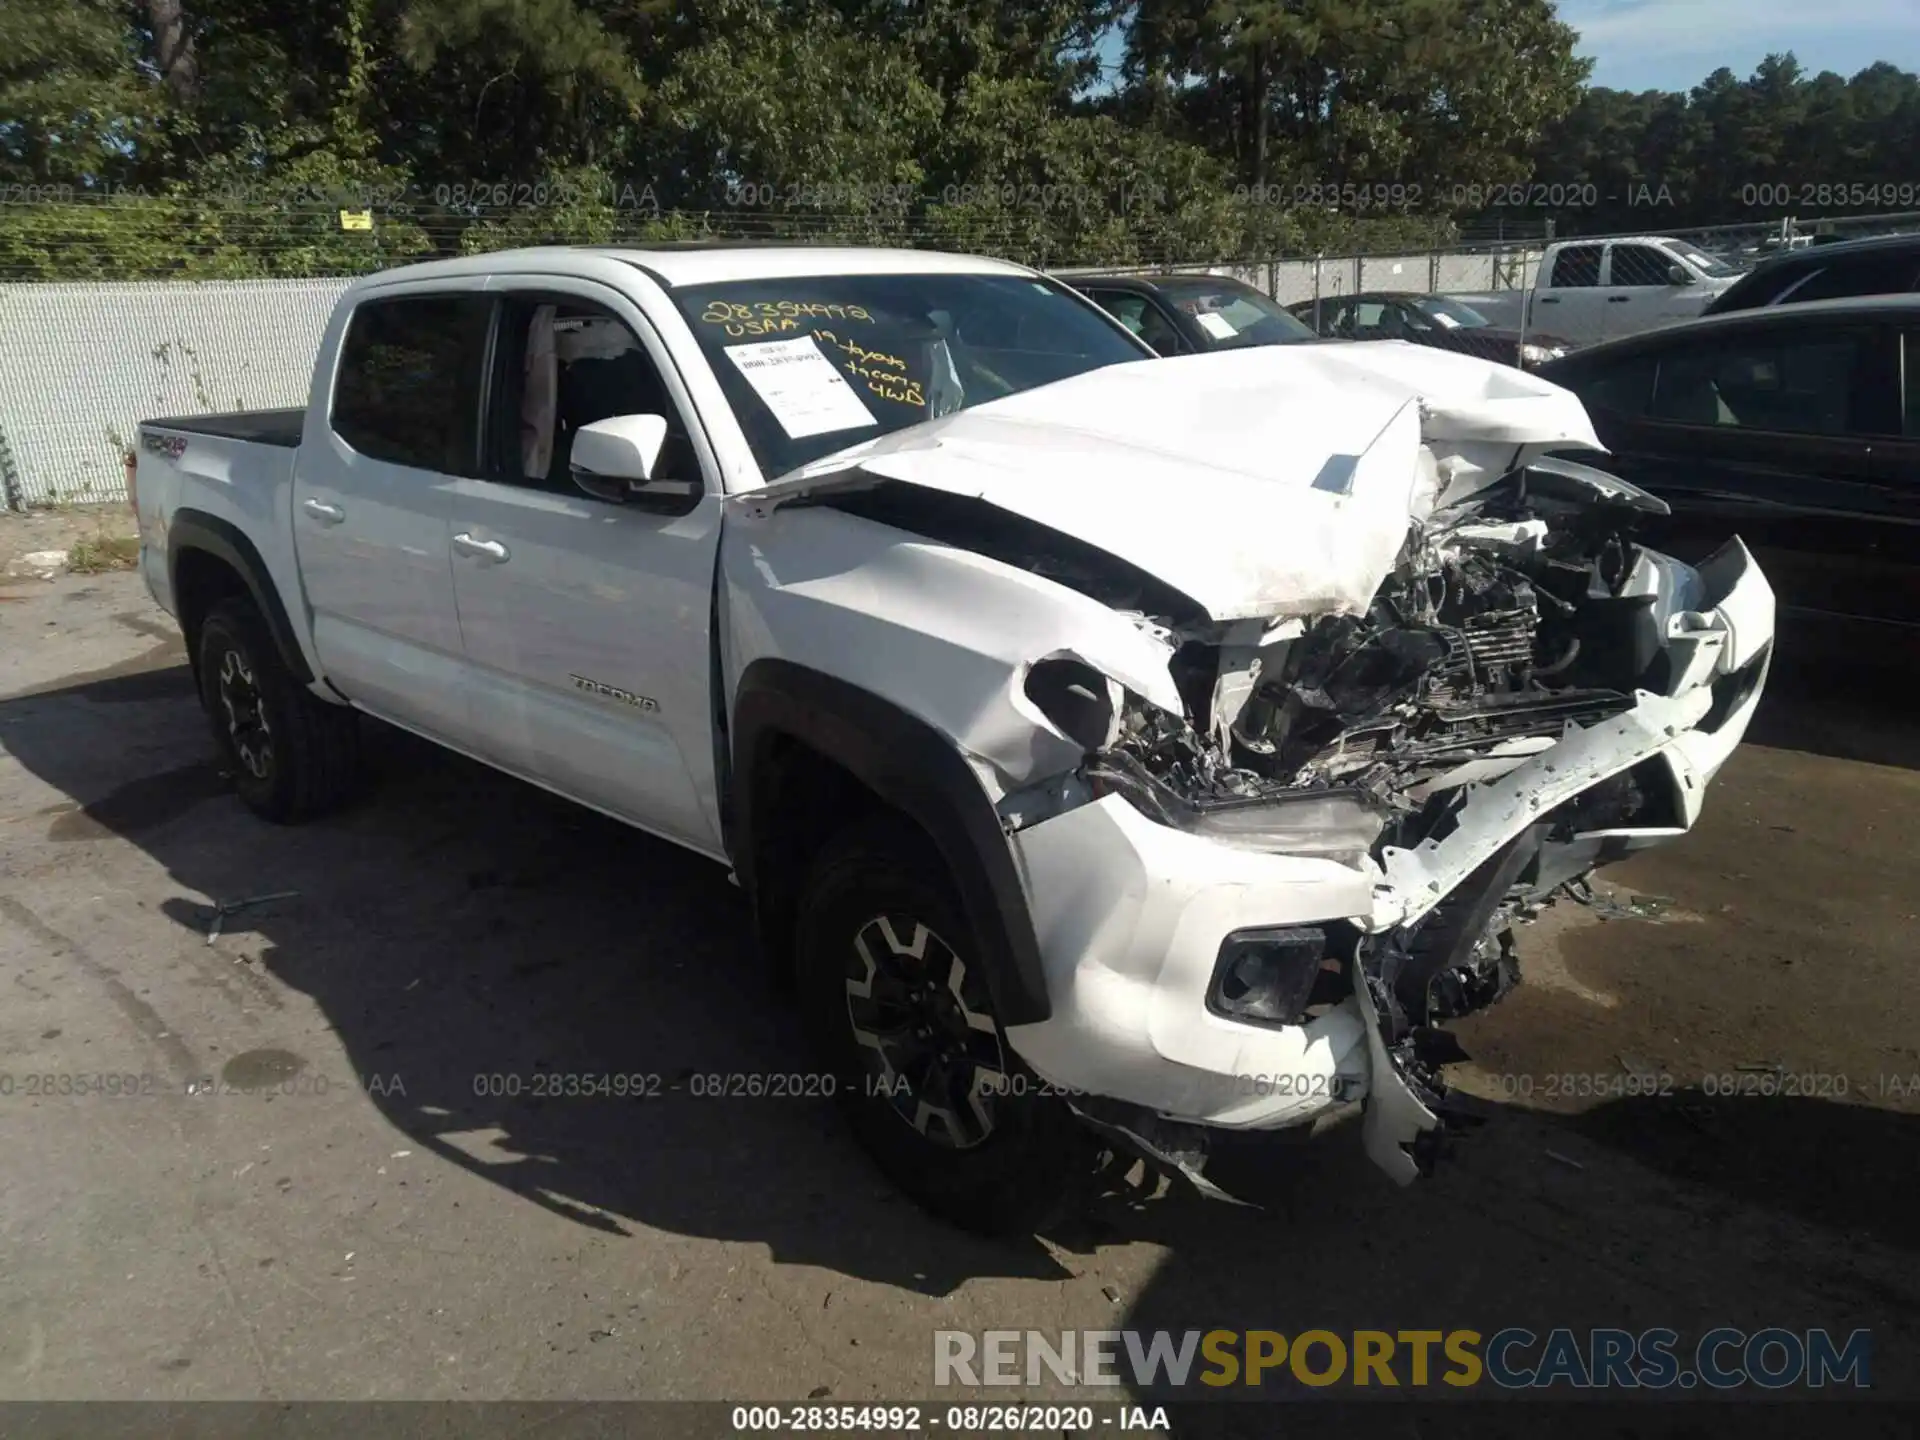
<point>323,512</point>
<point>1548,299</point>
<point>491,549</point>
<point>1618,299</point>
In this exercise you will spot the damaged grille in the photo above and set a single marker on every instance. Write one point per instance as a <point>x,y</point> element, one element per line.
<point>1494,634</point>
<point>1500,641</point>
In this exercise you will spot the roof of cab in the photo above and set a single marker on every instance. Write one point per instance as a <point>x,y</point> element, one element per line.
<point>1834,251</point>
<point>707,262</point>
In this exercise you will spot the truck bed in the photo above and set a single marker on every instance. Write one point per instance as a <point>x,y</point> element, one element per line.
<point>262,427</point>
<point>232,473</point>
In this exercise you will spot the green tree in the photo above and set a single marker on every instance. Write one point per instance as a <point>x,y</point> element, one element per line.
<point>74,107</point>
<point>1427,93</point>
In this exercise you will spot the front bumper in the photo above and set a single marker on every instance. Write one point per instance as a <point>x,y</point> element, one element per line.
<point>1131,914</point>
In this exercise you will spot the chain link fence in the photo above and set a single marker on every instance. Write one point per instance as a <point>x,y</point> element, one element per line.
<point>1501,266</point>
<point>81,365</point>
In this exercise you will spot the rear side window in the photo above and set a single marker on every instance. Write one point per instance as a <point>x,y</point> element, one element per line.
<point>408,389</point>
<point>1577,265</point>
<point>1336,317</point>
<point>1880,275</point>
<point>1767,285</point>
<point>1801,386</point>
<point>1623,386</point>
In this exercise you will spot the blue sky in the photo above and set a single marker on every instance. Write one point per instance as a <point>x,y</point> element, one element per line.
<point>1674,44</point>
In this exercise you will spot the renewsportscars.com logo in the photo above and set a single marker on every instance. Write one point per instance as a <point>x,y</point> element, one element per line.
<point>1509,1359</point>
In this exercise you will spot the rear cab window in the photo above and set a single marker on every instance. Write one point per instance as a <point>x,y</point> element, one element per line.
<point>408,384</point>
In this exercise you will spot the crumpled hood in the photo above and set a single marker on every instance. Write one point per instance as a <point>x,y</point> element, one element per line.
<point>1277,481</point>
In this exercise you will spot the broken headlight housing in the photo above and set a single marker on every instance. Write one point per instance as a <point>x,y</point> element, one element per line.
<point>1332,824</point>
<point>1336,824</point>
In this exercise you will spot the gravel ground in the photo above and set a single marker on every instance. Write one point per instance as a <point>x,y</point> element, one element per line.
<point>319,1201</point>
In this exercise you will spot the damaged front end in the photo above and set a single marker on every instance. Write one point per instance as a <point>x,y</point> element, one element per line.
<point>1512,622</point>
<point>1296,676</point>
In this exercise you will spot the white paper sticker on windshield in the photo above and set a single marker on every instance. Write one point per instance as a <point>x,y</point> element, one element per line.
<point>1445,321</point>
<point>1215,324</point>
<point>806,394</point>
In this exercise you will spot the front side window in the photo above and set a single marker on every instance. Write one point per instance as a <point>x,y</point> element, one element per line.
<point>408,387</point>
<point>1799,386</point>
<point>1142,317</point>
<point>1641,265</point>
<point>563,364</point>
<point>813,365</point>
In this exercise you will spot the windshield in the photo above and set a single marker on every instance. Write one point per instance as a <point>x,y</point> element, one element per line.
<point>1232,315</point>
<point>1448,314</point>
<point>814,365</point>
<point>1709,265</point>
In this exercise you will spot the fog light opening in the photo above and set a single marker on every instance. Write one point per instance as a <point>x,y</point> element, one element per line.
<point>1269,976</point>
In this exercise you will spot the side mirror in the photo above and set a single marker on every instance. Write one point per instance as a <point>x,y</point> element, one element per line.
<point>615,459</point>
<point>1679,275</point>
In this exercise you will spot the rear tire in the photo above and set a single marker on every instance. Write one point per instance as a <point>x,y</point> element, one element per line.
<point>909,1037</point>
<point>292,755</point>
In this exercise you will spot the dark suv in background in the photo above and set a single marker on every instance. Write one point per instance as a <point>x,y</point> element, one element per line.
<point>1795,426</point>
<point>1884,265</point>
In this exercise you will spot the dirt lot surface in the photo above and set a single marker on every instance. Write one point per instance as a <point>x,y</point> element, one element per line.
<point>41,532</point>
<point>319,1199</point>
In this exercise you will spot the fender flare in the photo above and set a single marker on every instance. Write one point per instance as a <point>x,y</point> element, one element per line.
<point>197,530</point>
<point>916,770</point>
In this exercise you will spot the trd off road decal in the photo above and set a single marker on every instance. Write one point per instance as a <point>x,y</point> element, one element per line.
<point>614,692</point>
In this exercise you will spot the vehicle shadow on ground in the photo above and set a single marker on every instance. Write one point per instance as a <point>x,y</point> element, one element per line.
<point>465,934</point>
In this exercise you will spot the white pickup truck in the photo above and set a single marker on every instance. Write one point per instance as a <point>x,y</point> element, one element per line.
<point>1115,751</point>
<point>1586,291</point>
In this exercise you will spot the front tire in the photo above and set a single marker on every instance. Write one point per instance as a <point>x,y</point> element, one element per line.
<point>292,755</point>
<point>896,1003</point>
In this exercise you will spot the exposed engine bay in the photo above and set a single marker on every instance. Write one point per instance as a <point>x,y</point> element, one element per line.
<point>1504,621</point>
